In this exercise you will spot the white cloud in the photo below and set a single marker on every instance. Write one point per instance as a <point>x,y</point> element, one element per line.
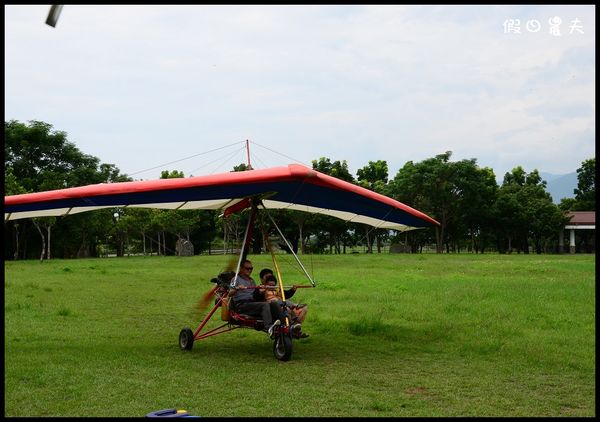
<point>142,85</point>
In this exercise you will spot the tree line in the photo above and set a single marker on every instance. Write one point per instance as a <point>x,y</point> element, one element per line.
<point>475,213</point>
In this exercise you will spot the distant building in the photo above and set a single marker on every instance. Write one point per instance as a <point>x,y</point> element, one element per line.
<point>578,220</point>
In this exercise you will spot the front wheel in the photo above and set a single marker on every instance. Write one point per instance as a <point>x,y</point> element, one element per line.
<point>186,339</point>
<point>282,347</point>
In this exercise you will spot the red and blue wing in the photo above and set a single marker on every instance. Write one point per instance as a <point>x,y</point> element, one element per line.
<point>293,187</point>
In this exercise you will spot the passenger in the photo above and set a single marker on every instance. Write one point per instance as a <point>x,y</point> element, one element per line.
<point>274,294</point>
<point>297,311</point>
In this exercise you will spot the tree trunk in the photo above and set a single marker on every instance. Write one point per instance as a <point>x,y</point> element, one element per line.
<point>37,226</point>
<point>301,238</point>
<point>16,254</point>
<point>48,254</point>
<point>120,243</point>
<point>225,238</point>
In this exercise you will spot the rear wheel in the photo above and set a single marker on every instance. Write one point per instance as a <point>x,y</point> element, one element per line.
<point>282,347</point>
<point>186,339</point>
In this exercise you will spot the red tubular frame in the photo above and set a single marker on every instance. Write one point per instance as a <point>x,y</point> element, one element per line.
<point>205,320</point>
<point>240,323</point>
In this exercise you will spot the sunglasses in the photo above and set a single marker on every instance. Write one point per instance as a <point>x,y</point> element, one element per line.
<point>249,268</point>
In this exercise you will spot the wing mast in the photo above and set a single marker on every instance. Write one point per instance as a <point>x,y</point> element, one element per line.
<point>248,154</point>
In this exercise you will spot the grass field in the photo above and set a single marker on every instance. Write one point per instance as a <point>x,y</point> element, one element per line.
<point>390,335</point>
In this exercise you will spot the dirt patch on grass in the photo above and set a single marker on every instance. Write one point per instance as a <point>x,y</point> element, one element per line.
<point>414,391</point>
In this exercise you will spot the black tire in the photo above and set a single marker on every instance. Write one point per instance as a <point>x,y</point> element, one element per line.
<point>282,347</point>
<point>186,339</point>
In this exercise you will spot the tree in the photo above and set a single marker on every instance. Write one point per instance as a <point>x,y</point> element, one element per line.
<point>524,211</point>
<point>430,186</point>
<point>338,169</point>
<point>374,177</point>
<point>332,229</point>
<point>181,223</point>
<point>11,184</point>
<point>458,194</point>
<point>174,174</point>
<point>407,187</point>
<point>242,167</point>
<point>13,187</point>
<point>40,159</point>
<point>585,193</point>
<point>475,193</point>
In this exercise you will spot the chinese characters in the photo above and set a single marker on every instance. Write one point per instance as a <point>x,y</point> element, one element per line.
<point>553,26</point>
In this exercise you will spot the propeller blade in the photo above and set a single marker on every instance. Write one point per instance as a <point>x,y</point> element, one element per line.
<point>204,301</point>
<point>53,15</point>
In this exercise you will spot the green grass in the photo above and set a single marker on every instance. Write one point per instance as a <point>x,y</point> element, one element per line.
<point>390,335</point>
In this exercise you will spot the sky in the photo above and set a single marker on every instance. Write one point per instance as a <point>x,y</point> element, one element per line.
<point>183,87</point>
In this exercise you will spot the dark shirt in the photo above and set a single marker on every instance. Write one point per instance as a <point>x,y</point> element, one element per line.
<point>245,295</point>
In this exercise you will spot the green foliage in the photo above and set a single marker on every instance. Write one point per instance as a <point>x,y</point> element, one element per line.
<point>524,211</point>
<point>175,174</point>
<point>457,194</point>
<point>242,167</point>
<point>585,194</point>
<point>337,169</point>
<point>474,213</point>
<point>330,231</point>
<point>390,336</point>
<point>567,204</point>
<point>374,176</point>
<point>42,158</point>
<point>38,158</point>
<point>11,184</point>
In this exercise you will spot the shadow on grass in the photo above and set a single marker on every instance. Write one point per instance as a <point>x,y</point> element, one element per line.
<point>375,327</point>
<point>339,340</point>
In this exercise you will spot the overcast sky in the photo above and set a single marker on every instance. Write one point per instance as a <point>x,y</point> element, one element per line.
<point>143,86</point>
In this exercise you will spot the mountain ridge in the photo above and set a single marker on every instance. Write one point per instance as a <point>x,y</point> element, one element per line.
<point>560,185</point>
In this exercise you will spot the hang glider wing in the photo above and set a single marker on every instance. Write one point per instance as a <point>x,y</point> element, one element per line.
<point>294,187</point>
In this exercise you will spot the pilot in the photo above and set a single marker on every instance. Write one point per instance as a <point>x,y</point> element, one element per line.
<point>246,299</point>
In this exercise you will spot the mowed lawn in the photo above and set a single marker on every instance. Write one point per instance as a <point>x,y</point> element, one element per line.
<point>390,335</point>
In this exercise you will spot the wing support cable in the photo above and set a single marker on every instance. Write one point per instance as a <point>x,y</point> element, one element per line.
<point>279,279</point>
<point>289,247</point>
<point>246,244</point>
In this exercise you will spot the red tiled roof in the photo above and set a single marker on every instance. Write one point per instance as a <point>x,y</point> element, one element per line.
<point>582,217</point>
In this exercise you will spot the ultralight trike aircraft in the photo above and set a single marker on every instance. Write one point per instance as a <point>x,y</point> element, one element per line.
<point>293,187</point>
